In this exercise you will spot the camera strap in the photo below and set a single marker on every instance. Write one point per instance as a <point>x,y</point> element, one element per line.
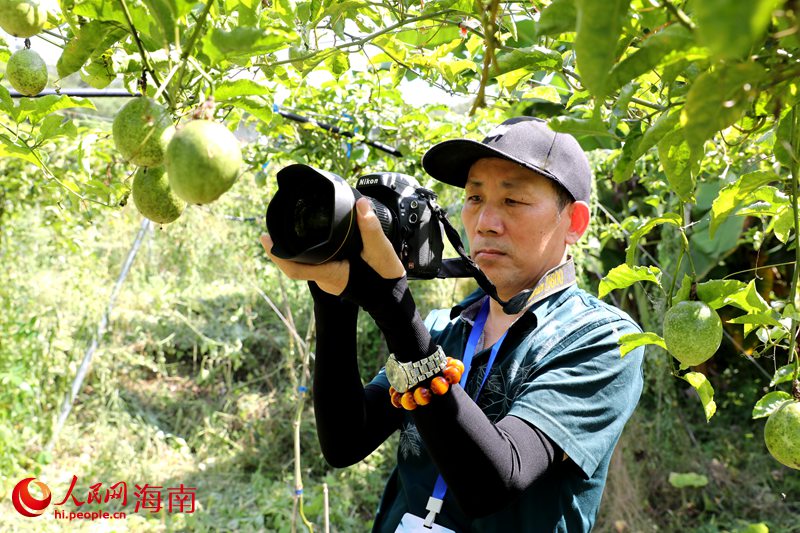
<point>465,267</point>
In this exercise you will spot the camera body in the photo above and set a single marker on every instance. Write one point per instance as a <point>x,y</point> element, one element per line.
<point>418,236</point>
<point>312,218</point>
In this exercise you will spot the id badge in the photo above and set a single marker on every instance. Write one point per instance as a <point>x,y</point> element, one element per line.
<point>413,524</point>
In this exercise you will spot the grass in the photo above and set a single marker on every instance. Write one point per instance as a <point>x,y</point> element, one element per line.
<point>195,383</point>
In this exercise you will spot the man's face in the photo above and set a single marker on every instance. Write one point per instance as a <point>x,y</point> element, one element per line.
<point>512,222</point>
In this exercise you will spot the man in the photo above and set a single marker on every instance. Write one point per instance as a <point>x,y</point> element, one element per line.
<point>525,444</point>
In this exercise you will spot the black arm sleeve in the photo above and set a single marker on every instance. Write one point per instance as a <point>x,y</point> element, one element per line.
<point>486,465</point>
<point>503,458</point>
<point>351,420</point>
<point>391,306</point>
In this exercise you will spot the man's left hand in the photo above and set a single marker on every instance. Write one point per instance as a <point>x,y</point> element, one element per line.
<point>333,276</point>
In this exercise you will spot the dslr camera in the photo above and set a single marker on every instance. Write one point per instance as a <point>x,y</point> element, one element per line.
<point>312,218</point>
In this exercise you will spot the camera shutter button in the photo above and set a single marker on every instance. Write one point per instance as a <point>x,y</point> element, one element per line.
<point>412,218</point>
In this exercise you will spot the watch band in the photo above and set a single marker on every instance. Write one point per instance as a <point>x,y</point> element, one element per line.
<point>432,364</point>
<point>404,376</point>
<point>427,367</point>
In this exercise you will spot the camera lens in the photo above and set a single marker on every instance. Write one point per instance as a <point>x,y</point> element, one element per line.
<point>312,218</point>
<point>311,221</point>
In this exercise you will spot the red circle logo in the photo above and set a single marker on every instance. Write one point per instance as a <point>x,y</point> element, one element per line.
<point>25,503</point>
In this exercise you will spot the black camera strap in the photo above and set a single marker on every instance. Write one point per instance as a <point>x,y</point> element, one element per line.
<point>465,267</point>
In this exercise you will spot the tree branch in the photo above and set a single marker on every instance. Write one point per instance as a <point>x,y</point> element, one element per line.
<point>145,59</point>
<point>187,50</point>
<point>682,17</point>
<point>364,40</point>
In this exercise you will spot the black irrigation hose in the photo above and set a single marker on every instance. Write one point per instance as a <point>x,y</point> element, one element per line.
<point>336,129</point>
<point>122,93</point>
<point>83,93</point>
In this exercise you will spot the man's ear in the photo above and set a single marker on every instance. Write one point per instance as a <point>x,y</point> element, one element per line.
<point>579,221</point>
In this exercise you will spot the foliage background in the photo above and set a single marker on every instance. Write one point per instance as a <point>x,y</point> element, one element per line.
<point>687,109</point>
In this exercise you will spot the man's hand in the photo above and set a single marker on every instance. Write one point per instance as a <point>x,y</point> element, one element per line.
<point>332,277</point>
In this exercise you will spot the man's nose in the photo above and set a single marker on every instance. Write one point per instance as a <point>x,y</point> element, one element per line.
<point>489,220</point>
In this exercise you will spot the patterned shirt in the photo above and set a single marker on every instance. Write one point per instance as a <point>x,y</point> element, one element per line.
<point>558,369</point>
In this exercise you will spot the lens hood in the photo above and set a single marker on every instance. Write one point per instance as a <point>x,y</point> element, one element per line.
<point>311,218</point>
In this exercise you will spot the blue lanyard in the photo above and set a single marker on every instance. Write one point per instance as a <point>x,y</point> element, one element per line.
<point>440,488</point>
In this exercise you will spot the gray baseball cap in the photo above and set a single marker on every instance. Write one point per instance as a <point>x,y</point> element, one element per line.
<point>526,141</point>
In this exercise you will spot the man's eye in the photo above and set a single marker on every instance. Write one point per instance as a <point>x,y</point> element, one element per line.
<point>474,198</point>
<point>512,201</point>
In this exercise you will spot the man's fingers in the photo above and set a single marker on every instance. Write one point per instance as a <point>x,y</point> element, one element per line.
<point>266,242</point>
<point>331,276</point>
<point>378,251</point>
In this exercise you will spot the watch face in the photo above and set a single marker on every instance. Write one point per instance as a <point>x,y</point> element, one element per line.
<point>396,375</point>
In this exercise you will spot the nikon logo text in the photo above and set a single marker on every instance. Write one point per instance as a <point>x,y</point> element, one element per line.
<point>368,181</point>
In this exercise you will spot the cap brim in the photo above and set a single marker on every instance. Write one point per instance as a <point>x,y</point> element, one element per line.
<point>450,161</point>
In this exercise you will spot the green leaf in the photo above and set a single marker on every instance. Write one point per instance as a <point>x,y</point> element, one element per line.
<point>524,33</point>
<point>429,38</point>
<point>285,9</point>
<point>685,290</point>
<point>770,402</point>
<point>9,148</point>
<point>689,479</point>
<point>54,126</point>
<point>99,72</point>
<point>244,41</point>
<point>786,154</point>
<point>656,49</point>
<point>105,10</point>
<point>730,28</point>
<point>81,47</point>
<point>631,341</point>
<point>704,390</point>
<point>790,312</point>
<point>36,109</point>
<point>232,89</point>
<point>624,276</point>
<point>783,375</point>
<point>7,104</point>
<point>759,319</point>
<point>783,224</point>
<point>748,299</point>
<point>451,68</point>
<point>669,218</point>
<point>255,106</point>
<point>338,63</point>
<point>715,292</point>
<point>599,26</point>
<point>717,99</point>
<point>766,200</point>
<point>680,164</point>
<point>533,58</point>
<point>164,13</point>
<point>540,92</point>
<point>636,148</point>
<point>580,126</point>
<point>736,194</point>
<point>559,17</point>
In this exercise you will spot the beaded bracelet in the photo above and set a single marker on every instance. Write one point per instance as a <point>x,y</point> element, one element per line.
<point>438,385</point>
